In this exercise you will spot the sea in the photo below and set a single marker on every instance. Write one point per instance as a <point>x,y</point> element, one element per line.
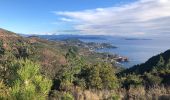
<point>138,50</point>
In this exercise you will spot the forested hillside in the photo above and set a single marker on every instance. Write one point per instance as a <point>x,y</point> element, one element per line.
<point>159,63</point>
<point>155,71</point>
<point>32,65</point>
<point>35,69</point>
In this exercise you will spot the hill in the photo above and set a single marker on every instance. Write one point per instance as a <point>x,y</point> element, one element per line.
<point>159,62</point>
<point>43,51</point>
<point>32,68</point>
<point>31,65</point>
<point>155,71</point>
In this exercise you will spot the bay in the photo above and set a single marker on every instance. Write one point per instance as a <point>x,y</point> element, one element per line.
<point>136,49</point>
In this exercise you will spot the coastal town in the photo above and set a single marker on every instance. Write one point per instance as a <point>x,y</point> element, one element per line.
<point>90,49</point>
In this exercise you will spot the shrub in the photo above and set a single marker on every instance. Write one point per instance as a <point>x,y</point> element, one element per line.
<point>94,80</point>
<point>28,83</point>
<point>4,91</point>
<point>114,97</point>
<point>107,74</point>
<point>152,79</point>
<point>132,80</point>
<point>58,95</point>
<point>2,50</point>
<point>67,96</point>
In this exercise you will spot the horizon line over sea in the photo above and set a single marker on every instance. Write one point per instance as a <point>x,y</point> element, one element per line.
<point>138,50</point>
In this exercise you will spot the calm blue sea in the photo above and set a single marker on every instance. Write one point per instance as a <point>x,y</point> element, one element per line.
<point>137,50</point>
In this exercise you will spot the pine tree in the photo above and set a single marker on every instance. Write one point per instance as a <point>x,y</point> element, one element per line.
<point>161,63</point>
<point>28,83</point>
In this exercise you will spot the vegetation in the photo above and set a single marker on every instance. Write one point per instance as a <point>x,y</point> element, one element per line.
<point>25,82</point>
<point>154,72</point>
<point>78,73</point>
<point>36,69</point>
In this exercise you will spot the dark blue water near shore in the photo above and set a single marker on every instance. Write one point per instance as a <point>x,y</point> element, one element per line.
<point>137,50</point>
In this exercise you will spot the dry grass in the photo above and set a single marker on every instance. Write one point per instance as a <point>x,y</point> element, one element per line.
<point>134,93</point>
<point>91,94</point>
<point>152,93</point>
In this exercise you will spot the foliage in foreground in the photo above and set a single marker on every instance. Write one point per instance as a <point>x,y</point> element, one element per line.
<point>21,79</point>
<point>27,82</point>
<point>78,73</point>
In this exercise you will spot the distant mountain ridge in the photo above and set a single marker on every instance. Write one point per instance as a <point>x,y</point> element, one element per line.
<point>63,37</point>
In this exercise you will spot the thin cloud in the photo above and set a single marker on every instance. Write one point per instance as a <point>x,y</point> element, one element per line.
<point>66,19</point>
<point>143,17</point>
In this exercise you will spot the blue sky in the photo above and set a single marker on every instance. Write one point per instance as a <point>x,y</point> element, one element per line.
<point>94,17</point>
<point>35,16</point>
